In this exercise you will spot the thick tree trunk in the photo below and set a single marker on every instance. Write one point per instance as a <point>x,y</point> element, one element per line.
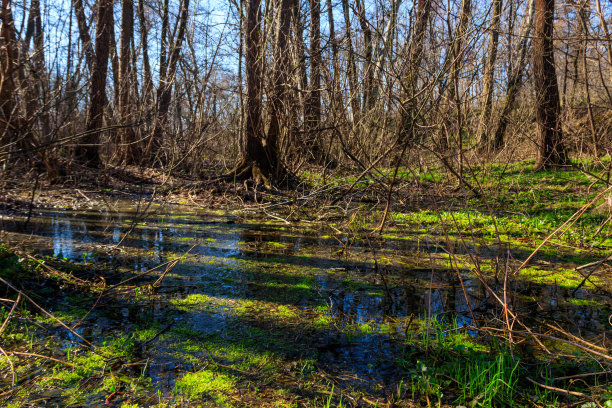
<point>88,153</point>
<point>415,55</point>
<point>550,147</point>
<point>278,98</point>
<point>9,115</point>
<point>257,159</point>
<point>608,38</point>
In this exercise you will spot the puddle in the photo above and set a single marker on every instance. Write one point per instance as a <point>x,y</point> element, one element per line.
<point>300,285</point>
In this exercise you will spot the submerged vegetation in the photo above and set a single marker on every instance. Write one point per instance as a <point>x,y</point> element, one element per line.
<point>440,307</point>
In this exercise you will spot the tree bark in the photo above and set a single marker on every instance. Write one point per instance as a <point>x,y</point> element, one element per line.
<point>88,49</point>
<point>515,81</point>
<point>487,92</point>
<point>351,69</point>
<point>257,161</point>
<point>168,76</point>
<point>314,93</point>
<point>278,98</point>
<point>608,38</point>
<point>144,39</point>
<point>550,147</point>
<point>368,69</point>
<point>88,153</point>
<point>385,48</point>
<point>584,28</point>
<point>9,115</point>
<point>128,152</point>
<point>410,78</point>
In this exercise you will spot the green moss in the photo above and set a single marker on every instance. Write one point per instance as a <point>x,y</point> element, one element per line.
<point>585,302</point>
<point>285,312</point>
<point>208,383</point>
<point>322,321</point>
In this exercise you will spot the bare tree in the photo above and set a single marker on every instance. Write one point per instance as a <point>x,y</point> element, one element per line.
<point>128,154</point>
<point>88,152</point>
<point>257,161</point>
<point>278,99</point>
<point>9,107</point>
<point>168,70</point>
<point>88,48</point>
<point>515,80</point>
<point>550,137</point>
<point>352,69</point>
<point>487,93</point>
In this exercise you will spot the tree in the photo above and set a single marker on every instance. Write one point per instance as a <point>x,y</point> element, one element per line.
<point>88,153</point>
<point>515,81</point>
<point>88,49</point>
<point>259,158</point>
<point>128,151</point>
<point>8,63</point>
<point>314,93</point>
<point>410,77</point>
<point>550,147</point>
<point>168,69</point>
<point>278,96</point>
<point>352,69</point>
<point>487,92</point>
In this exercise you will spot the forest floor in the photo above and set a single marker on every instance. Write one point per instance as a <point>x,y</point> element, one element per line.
<point>136,289</point>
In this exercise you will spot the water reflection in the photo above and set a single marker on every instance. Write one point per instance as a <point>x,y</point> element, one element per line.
<point>254,259</point>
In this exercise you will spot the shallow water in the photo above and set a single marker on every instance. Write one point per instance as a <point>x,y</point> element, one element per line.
<point>259,270</point>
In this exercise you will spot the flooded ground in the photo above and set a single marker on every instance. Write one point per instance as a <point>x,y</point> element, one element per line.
<point>249,309</point>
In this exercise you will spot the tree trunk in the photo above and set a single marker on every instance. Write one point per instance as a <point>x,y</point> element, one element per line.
<point>415,56</point>
<point>515,80</point>
<point>550,147</point>
<point>368,69</point>
<point>584,28</point>
<point>351,69</point>
<point>114,59</point>
<point>335,95</point>
<point>257,161</point>
<point>313,108</point>
<point>88,153</point>
<point>457,49</point>
<point>9,116</point>
<point>168,76</point>
<point>314,93</point>
<point>128,148</point>
<point>144,40</point>
<point>385,49</point>
<point>278,98</point>
<point>608,38</point>
<point>88,49</point>
<point>487,92</point>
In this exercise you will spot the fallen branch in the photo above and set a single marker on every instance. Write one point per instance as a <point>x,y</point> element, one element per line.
<point>558,390</point>
<point>20,353</point>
